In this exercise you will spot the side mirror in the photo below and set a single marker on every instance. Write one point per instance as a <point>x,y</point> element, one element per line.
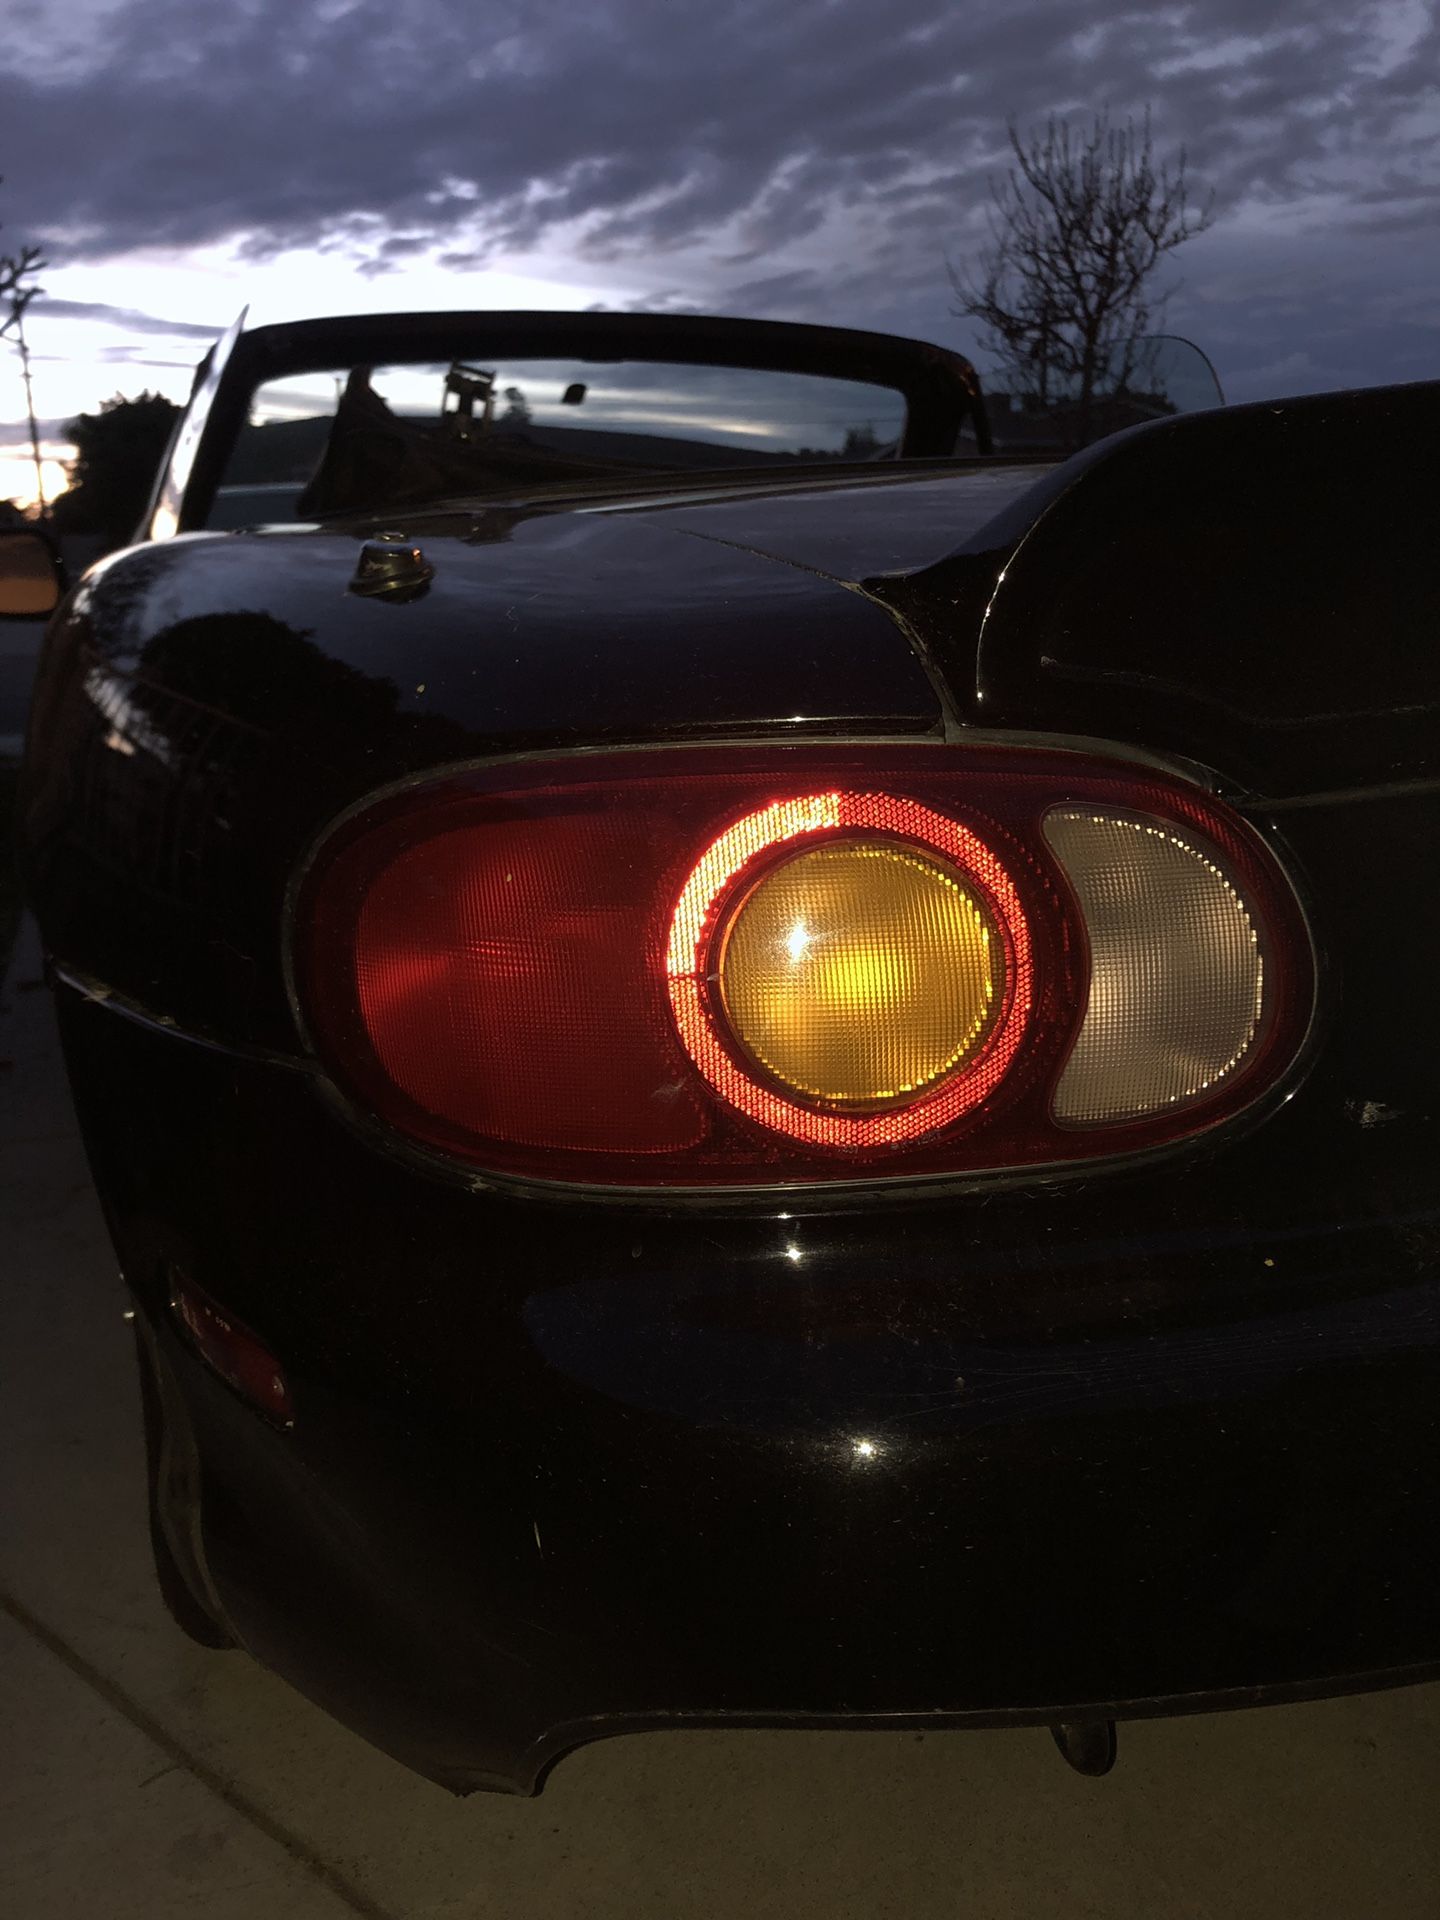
<point>32,579</point>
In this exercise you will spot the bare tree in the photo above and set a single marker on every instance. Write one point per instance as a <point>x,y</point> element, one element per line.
<point>17,290</point>
<point>1064,294</point>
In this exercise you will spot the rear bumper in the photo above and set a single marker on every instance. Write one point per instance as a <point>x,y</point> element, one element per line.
<point>1116,1448</point>
<point>477,1621</point>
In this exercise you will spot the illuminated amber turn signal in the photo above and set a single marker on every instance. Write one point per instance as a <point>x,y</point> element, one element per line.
<point>859,972</point>
<point>909,1010</point>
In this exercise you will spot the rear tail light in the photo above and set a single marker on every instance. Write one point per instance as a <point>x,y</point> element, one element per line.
<point>710,967</point>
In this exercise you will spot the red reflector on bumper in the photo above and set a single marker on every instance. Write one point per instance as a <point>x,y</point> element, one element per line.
<point>233,1351</point>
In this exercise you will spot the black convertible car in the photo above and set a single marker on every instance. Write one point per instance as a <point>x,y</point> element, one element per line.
<point>753,1064</point>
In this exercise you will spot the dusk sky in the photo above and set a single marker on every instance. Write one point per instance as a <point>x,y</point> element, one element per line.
<point>799,159</point>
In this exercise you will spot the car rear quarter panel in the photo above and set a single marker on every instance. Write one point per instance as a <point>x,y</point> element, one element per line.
<point>207,705</point>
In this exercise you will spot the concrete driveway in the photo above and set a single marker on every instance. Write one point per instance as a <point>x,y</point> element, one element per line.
<point>142,1779</point>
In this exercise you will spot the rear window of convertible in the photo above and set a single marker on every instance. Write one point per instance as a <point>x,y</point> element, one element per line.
<point>359,438</point>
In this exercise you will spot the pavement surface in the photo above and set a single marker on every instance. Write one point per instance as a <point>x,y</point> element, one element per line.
<point>19,647</point>
<point>141,1778</point>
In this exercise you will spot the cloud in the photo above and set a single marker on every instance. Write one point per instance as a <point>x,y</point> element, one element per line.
<point>99,312</point>
<point>817,159</point>
<point>127,356</point>
<point>16,433</point>
<point>653,125</point>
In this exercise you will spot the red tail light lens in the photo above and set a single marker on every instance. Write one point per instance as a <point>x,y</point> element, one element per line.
<point>712,967</point>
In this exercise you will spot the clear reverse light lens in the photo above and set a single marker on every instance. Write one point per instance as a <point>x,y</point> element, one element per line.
<point>1177,978</point>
